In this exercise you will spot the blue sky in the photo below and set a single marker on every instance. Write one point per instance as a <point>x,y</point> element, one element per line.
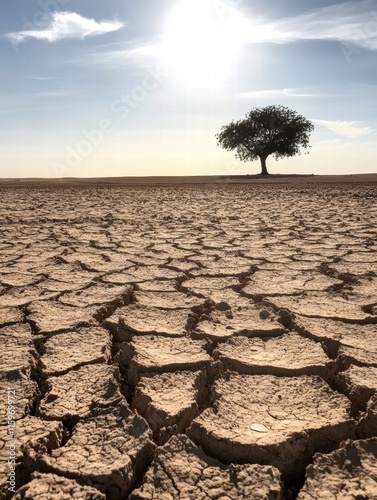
<point>94,88</point>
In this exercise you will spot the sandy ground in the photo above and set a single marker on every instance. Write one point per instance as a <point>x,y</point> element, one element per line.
<point>207,339</point>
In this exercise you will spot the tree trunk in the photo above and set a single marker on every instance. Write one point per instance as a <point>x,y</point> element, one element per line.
<point>263,164</point>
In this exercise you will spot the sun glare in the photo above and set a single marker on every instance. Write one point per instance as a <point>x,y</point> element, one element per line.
<point>201,41</point>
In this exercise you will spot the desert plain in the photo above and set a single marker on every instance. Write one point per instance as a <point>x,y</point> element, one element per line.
<point>208,339</point>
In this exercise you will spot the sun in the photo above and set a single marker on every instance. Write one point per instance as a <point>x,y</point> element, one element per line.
<point>201,41</point>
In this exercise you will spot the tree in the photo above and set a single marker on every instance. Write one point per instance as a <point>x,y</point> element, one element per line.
<point>273,130</point>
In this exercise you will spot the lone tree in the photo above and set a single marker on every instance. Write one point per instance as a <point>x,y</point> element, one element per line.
<point>273,130</point>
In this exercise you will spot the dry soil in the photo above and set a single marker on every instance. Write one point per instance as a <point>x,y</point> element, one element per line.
<point>197,339</point>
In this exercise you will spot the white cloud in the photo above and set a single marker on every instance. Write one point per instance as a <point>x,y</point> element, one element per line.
<point>50,94</point>
<point>111,57</point>
<point>353,22</point>
<point>67,25</point>
<point>276,93</point>
<point>351,130</point>
<point>151,50</point>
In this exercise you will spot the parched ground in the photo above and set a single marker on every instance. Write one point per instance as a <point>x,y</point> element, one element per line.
<point>189,341</point>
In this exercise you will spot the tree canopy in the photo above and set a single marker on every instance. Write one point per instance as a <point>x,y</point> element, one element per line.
<point>272,130</point>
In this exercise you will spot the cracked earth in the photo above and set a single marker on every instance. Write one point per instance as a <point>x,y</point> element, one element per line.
<point>191,342</point>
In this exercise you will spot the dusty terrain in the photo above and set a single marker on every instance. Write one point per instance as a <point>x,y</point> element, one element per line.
<point>196,341</point>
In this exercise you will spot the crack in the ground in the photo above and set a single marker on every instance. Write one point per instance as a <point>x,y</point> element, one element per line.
<point>262,241</point>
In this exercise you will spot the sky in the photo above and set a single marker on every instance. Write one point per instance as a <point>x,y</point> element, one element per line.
<point>141,88</point>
